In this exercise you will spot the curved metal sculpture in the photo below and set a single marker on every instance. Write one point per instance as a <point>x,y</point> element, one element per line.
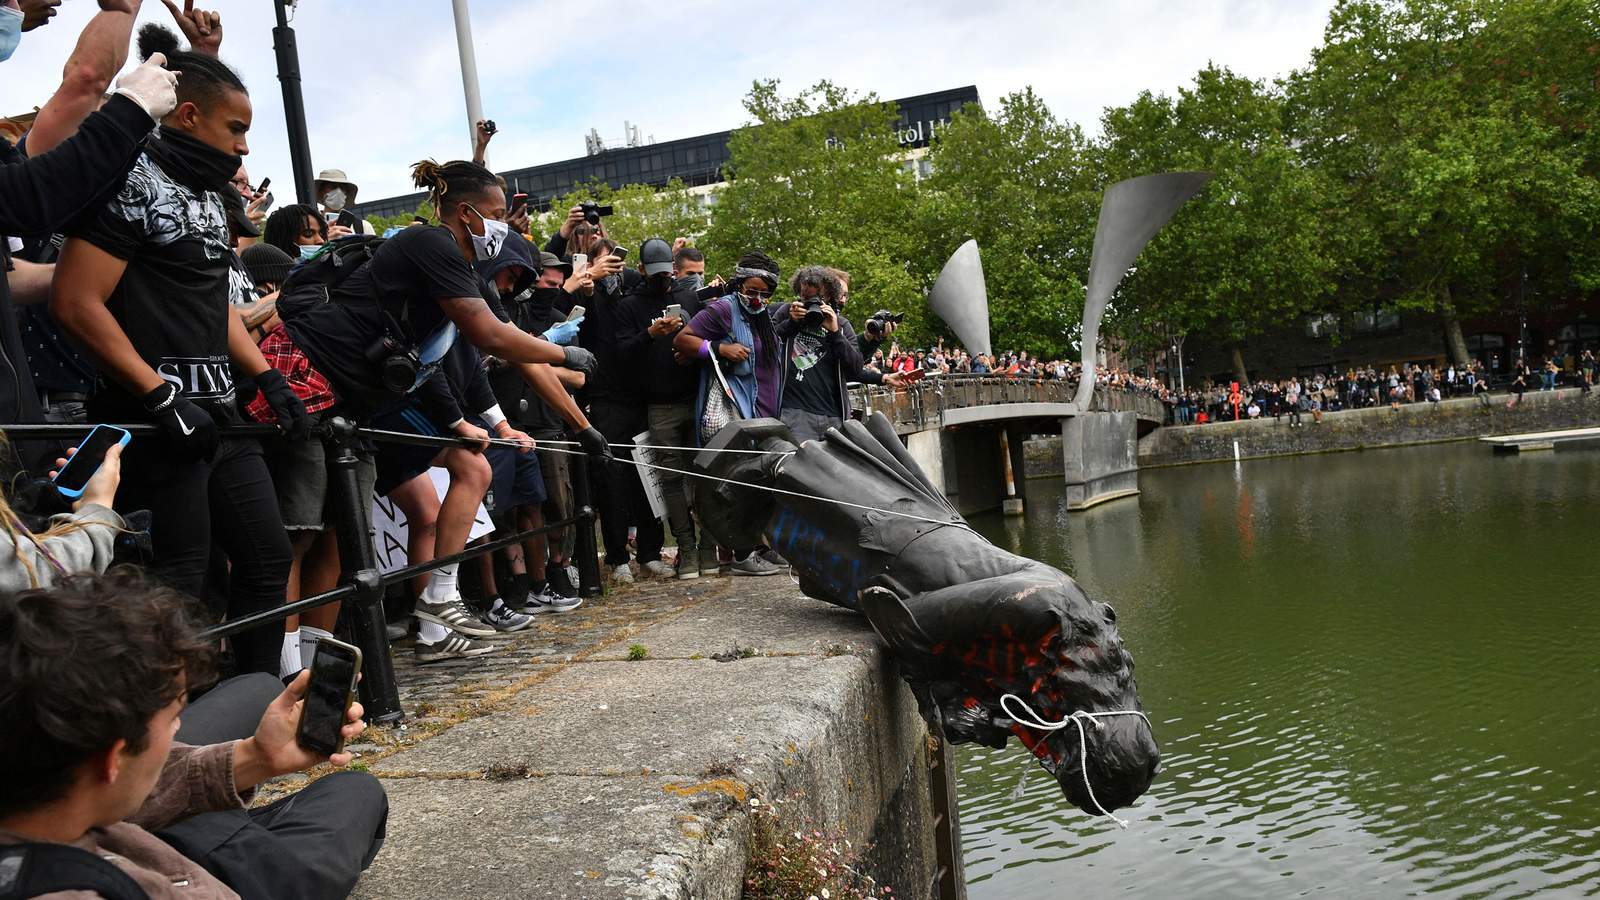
<point>967,622</point>
<point>960,298</point>
<point>1131,213</point>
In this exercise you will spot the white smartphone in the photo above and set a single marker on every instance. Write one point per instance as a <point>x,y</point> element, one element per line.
<point>577,313</point>
<point>673,311</point>
<point>580,263</point>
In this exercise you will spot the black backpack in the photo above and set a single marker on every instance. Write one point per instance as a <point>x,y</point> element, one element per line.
<point>32,870</point>
<point>312,282</point>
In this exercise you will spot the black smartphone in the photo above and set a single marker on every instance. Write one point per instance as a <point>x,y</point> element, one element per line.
<point>348,220</point>
<point>334,668</point>
<point>265,183</point>
<point>74,476</point>
<point>711,291</point>
<point>619,252</point>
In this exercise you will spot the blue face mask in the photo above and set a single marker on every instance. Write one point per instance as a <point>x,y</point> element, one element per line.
<point>10,31</point>
<point>309,250</point>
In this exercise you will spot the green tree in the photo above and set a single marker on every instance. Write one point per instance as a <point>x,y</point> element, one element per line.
<point>820,178</point>
<point>1022,184</point>
<point>1251,252</point>
<point>1462,135</point>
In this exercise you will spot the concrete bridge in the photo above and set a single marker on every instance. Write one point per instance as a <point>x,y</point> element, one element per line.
<point>967,432</point>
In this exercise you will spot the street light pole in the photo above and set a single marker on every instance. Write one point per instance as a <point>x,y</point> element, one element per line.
<point>469,71</point>
<point>294,107</point>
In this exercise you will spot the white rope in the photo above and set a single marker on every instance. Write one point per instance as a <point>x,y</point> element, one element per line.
<point>777,490</point>
<point>632,446</point>
<point>1077,718</point>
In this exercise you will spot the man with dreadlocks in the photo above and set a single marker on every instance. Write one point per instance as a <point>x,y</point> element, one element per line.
<point>419,290</point>
<point>144,285</point>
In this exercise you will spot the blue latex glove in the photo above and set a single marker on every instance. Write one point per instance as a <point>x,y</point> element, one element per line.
<point>563,333</point>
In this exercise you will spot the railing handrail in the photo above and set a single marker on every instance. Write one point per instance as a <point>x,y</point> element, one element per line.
<point>911,406</point>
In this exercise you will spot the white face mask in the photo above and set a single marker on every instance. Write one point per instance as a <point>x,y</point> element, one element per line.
<point>487,245</point>
<point>335,199</point>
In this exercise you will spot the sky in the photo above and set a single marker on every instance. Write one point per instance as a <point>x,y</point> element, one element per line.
<point>383,80</point>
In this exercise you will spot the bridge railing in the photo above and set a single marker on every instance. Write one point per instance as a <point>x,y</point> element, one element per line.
<point>923,404</point>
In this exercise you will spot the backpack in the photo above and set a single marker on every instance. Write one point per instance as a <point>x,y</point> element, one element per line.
<point>31,870</point>
<point>312,281</point>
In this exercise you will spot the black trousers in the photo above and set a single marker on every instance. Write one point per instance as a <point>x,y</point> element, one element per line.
<point>312,844</point>
<point>618,492</point>
<point>229,500</point>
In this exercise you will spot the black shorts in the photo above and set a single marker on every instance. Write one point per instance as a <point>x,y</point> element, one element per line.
<point>517,478</point>
<point>399,463</point>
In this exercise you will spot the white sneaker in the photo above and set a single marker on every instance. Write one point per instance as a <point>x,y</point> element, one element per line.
<point>622,574</point>
<point>658,569</point>
<point>549,601</point>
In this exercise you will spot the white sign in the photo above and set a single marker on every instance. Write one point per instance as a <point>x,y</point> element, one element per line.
<point>650,477</point>
<point>389,532</point>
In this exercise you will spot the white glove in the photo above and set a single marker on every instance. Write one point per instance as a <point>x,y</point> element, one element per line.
<point>151,86</point>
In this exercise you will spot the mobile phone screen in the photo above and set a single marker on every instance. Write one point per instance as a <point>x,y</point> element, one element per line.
<point>75,475</point>
<point>333,674</point>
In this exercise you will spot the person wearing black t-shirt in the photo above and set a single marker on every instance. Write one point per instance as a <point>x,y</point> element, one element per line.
<point>822,358</point>
<point>144,286</point>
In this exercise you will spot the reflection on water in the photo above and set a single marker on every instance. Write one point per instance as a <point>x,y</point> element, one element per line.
<point>1372,674</point>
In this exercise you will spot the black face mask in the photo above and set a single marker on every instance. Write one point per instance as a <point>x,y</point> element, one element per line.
<point>201,167</point>
<point>543,299</point>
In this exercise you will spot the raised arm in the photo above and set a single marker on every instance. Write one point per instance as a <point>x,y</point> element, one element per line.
<point>100,54</point>
<point>51,189</point>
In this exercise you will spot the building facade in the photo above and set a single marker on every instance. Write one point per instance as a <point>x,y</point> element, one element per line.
<point>698,162</point>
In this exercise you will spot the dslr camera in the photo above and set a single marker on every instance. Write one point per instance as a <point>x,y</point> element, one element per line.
<point>880,319</point>
<point>398,364</point>
<point>592,211</point>
<point>813,311</point>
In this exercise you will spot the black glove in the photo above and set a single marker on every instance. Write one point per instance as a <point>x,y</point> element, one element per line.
<point>594,443</point>
<point>291,412</point>
<point>189,427</point>
<point>579,359</point>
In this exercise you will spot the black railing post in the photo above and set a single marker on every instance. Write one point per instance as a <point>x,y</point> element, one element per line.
<point>357,565</point>
<point>583,544</point>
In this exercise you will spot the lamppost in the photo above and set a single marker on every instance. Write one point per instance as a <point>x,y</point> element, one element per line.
<point>294,107</point>
<point>469,70</point>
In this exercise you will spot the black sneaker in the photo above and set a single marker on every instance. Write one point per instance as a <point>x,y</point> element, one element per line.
<point>559,582</point>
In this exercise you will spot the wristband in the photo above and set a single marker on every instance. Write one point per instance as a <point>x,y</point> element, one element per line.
<point>172,395</point>
<point>494,416</point>
<point>705,349</point>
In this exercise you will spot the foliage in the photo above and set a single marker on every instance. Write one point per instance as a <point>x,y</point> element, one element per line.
<point>637,652</point>
<point>1021,183</point>
<point>805,863</point>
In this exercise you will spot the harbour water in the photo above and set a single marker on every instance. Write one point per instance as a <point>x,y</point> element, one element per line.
<point>1372,674</point>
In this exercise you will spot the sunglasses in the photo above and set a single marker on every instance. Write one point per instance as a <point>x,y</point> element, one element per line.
<point>757,295</point>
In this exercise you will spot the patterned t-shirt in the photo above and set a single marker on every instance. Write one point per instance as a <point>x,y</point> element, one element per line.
<point>174,298</point>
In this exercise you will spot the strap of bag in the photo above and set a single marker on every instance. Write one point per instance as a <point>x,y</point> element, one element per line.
<point>32,870</point>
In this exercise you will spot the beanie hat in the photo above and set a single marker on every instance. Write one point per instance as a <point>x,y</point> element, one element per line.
<point>267,264</point>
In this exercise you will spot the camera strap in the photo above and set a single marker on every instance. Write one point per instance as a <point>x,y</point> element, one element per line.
<point>36,869</point>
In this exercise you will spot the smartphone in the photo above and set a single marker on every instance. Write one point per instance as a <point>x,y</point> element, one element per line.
<point>348,220</point>
<point>518,201</point>
<point>265,183</point>
<point>580,262</point>
<point>577,313</point>
<point>74,476</point>
<point>620,253</point>
<point>333,684</point>
<point>918,372</point>
<point>673,311</point>
<point>266,202</point>
<point>711,292</point>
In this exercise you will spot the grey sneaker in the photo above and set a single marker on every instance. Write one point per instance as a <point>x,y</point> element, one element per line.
<point>453,646</point>
<point>688,566</point>
<point>772,556</point>
<point>453,614</point>
<point>622,574</point>
<point>658,569</point>
<point>506,620</point>
<point>548,600</point>
<point>754,565</point>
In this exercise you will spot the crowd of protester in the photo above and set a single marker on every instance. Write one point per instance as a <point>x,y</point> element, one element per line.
<point>1367,387</point>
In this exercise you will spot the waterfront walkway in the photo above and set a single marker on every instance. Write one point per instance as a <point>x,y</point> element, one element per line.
<point>615,750</point>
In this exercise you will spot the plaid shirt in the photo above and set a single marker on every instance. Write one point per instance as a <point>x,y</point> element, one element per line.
<point>307,383</point>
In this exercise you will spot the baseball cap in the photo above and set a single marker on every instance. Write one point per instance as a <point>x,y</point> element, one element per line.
<point>656,256</point>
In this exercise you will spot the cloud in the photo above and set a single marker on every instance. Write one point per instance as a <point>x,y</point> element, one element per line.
<point>382,81</point>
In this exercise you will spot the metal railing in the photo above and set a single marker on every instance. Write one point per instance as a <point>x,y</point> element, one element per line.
<point>923,404</point>
<point>359,576</point>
